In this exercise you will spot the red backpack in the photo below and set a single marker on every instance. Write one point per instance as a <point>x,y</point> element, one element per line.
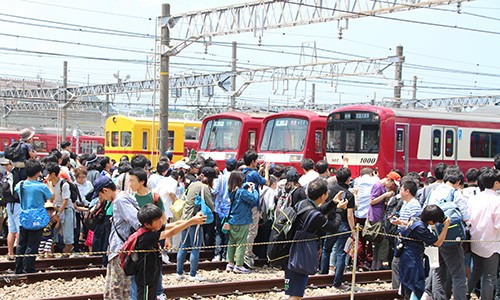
<point>129,260</point>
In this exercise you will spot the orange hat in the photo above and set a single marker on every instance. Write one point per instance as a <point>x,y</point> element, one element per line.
<point>395,177</point>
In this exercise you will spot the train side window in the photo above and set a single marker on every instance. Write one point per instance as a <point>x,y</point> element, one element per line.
<point>484,144</point>
<point>114,139</point>
<point>144,140</point>
<point>251,140</point>
<point>171,136</point>
<point>436,142</point>
<point>126,139</point>
<point>449,143</point>
<point>107,138</point>
<point>40,146</point>
<point>318,143</point>
<point>400,142</point>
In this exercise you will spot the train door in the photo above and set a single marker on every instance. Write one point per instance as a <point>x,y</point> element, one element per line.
<point>401,147</point>
<point>443,145</point>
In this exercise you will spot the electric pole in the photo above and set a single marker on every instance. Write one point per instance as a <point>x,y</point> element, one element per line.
<point>164,77</point>
<point>233,78</point>
<point>398,77</point>
<point>414,96</point>
<point>65,103</point>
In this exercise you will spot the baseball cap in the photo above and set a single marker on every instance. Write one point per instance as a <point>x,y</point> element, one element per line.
<point>231,163</point>
<point>48,204</point>
<point>100,183</point>
<point>292,175</point>
<point>208,172</point>
<point>180,165</point>
<point>395,177</point>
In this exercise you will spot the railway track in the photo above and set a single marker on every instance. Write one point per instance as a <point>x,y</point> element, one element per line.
<point>265,286</point>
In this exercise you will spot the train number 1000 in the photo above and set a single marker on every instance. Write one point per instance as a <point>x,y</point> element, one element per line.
<point>367,160</point>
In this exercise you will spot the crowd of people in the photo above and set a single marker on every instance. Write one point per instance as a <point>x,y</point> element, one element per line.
<point>400,215</point>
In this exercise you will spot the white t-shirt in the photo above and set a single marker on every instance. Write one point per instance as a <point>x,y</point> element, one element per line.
<point>66,194</point>
<point>165,187</point>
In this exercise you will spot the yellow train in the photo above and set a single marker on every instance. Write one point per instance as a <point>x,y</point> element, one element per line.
<point>131,136</point>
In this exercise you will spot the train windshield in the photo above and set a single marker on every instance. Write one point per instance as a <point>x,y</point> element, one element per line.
<point>284,134</point>
<point>221,134</point>
<point>353,132</point>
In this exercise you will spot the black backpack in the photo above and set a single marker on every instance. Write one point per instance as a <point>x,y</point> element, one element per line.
<point>282,231</point>
<point>75,194</point>
<point>96,216</point>
<point>14,152</point>
<point>7,196</point>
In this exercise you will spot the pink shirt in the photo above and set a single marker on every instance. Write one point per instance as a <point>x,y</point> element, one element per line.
<point>485,223</point>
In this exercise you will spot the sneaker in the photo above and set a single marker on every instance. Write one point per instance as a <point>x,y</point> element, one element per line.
<point>253,256</point>
<point>341,287</point>
<point>229,268</point>
<point>165,258</point>
<point>180,277</point>
<point>161,297</point>
<point>241,270</point>
<point>196,278</point>
<point>216,258</point>
<point>249,262</point>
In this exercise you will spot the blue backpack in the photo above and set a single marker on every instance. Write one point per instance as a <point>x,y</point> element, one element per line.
<point>456,230</point>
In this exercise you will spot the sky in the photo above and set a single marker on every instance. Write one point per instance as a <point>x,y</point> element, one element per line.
<point>451,54</point>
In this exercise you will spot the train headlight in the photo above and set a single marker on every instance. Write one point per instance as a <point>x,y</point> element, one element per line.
<point>230,155</point>
<point>295,157</point>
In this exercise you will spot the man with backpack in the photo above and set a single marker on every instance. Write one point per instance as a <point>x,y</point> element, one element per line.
<point>316,224</point>
<point>451,255</point>
<point>125,208</point>
<point>252,174</point>
<point>64,206</point>
<point>19,153</point>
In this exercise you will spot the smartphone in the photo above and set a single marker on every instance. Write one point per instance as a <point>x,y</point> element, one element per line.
<point>343,195</point>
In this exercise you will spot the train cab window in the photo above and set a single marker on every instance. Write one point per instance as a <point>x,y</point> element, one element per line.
<point>145,140</point>
<point>191,133</point>
<point>400,143</point>
<point>114,139</point>
<point>350,140</point>
<point>318,142</point>
<point>436,142</point>
<point>369,138</point>
<point>251,140</point>
<point>285,134</point>
<point>484,144</point>
<point>334,139</point>
<point>126,139</point>
<point>107,138</point>
<point>449,143</point>
<point>221,134</point>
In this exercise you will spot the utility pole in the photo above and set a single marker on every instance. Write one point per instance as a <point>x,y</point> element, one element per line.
<point>233,78</point>
<point>398,77</point>
<point>164,77</point>
<point>414,96</point>
<point>64,107</point>
<point>313,93</point>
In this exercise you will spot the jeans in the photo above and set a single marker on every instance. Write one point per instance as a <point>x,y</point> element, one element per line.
<point>191,237</point>
<point>133,287</point>
<point>485,269</point>
<point>220,238</point>
<point>29,240</point>
<point>340,255</point>
<point>451,268</point>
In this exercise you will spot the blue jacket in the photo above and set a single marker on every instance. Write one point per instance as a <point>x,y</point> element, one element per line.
<point>244,201</point>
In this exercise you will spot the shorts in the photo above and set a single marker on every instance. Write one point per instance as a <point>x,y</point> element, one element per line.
<point>13,212</point>
<point>295,283</point>
<point>67,227</point>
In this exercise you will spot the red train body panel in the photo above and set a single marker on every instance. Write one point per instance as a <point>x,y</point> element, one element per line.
<point>410,140</point>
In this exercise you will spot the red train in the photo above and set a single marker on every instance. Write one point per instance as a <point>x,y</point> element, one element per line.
<point>289,137</point>
<point>410,140</point>
<point>229,135</point>
<point>42,143</point>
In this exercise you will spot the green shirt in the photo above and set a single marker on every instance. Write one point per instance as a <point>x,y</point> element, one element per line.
<point>143,200</point>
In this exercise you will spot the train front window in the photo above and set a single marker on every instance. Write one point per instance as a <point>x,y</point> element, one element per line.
<point>126,139</point>
<point>284,134</point>
<point>114,139</point>
<point>334,138</point>
<point>369,138</point>
<point>353,132</point>
<point>221,134</point>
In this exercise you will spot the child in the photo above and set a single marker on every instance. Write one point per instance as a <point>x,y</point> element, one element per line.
<point>150,263</point>
<point>412,272</point>
<point>45,248</point>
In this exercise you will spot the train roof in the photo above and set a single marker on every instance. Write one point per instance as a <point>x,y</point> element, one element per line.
<point>298,113</point>
<point>237,114</point>
<point>150,119</point>
<point>483,115</point>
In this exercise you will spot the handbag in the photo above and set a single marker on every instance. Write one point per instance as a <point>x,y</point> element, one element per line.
<point>304,255</point>
<point>372,231</point>
<point>33,218</point>
<point>225,226</point>
<point>178,206</point>
<point>203,207</point>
